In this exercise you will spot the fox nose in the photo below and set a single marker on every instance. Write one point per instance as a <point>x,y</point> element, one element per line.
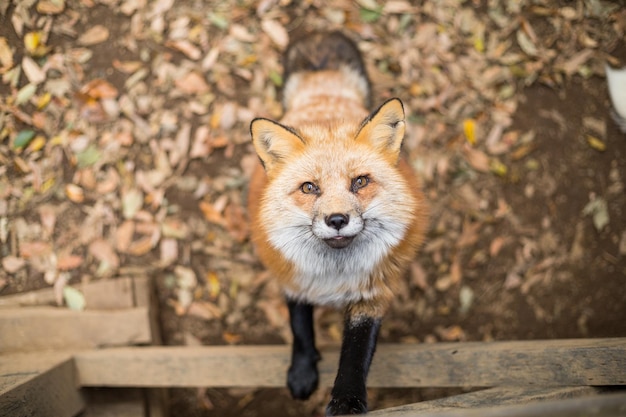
<point>337,220</point>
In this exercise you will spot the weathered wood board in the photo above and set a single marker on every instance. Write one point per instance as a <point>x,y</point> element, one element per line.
<point>491,397</point>
<point>47,328</point>
<point>575,362</point>
<point>605,405</point>
<point>106,294</point>
<point>42,385</point>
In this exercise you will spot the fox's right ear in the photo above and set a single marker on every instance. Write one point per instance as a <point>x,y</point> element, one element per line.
<point>274,142</point>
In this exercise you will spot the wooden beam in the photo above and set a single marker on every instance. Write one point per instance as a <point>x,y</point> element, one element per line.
<point>40,384</point>
<point>46,328</point>
<point>106,294</point>
<point>604,405</point>
<point>491,397</point>
<point>576,362</point>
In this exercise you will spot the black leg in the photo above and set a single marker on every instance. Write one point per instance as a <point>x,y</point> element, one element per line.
<point>349,394</point>
<point>302,378</point>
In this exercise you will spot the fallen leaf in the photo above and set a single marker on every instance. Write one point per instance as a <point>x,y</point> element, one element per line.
<point>132,201</point>
<point>596,143</point>
<point>469,129</point>
<point>74,193</point>
<point>12,264</point>
<point>94,35</point>
<point>204,310</point>
<point>169,251</point>
<point>189,49</point>
<point>476,158</point>
<point>6,55</point>
<point>192,83</point>
<point>141,246</point>
<point>74,299</point>
<point>69,262</point>
<point>185,277</point>
<point>599,212</point>
<point>32,71</point>
<point>124,235</point>
<point>276,32</point>
<point>103,251</point>
<point>98,89</point>
<point>51,7</point>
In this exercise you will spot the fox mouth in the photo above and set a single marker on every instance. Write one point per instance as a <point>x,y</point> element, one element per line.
<point>339,242</point>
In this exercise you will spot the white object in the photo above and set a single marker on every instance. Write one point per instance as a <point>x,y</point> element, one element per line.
<point>616,79</point>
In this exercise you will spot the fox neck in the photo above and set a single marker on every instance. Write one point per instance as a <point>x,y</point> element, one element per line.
<point>336,277</point>
<point>312,89</point>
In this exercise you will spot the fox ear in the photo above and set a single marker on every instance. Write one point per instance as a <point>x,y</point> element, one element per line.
<point>384,128</point>
<point>273,142</point>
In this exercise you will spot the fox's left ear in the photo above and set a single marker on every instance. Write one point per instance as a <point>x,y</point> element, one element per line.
<point>384,128</point>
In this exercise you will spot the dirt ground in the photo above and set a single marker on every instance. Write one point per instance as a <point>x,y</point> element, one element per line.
<point>130,155</point>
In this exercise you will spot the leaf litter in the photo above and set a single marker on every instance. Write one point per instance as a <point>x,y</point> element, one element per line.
<point>125,147</point>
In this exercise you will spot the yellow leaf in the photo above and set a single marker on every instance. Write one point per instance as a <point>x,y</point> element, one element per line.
<point>479,44</point>
<point>32,40</point>
<point>596,143</point>
<point>469,128</point>
<point>213,284</point>
<point>498,167</point>
<point>43,101</point>
<point>37,143</point>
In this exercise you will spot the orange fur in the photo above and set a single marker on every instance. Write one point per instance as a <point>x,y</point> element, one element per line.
<point>328,139</point>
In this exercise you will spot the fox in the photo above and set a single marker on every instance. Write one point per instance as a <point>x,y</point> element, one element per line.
<point>336,213</point>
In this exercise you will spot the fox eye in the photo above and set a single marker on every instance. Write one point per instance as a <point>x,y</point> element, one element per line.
<point>359,182</point>
<point>309,188</point>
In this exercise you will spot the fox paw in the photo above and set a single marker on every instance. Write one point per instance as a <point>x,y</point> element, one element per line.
<point>302,379</point>
<point>339,406</point>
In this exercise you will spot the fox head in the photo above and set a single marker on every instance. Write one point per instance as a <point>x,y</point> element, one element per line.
<point>334,188</point>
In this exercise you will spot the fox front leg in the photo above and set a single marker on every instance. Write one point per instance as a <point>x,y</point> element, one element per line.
<point>302,377</point>
<point>349,393</point>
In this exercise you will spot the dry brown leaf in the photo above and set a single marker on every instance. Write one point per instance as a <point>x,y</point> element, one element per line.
<point>127,67</point>
<point>103,251</point>
<point>277,32</point>
<point>52,7</point>
<point>497,244</point>
<point>32,71</point>
<point>140,247</point>
<point>476,158</point>
<point>204,310</point>
<point>241,33</point>
<point>6,55</point>
<point>124,235</point>
<point>169,251</point>
<point>94,35</point>
<point>192,83</point>
<point>189,49</point>
<point>74,193</point>
<point>99,89</point>
<point>449,334</point>
<point>48,217</point>
<point>69,262</point>
<point>35,249</point>
<point>211,214</point>
<point>12,264</point>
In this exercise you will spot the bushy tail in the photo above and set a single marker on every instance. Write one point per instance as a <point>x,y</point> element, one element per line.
<point>325,51</point>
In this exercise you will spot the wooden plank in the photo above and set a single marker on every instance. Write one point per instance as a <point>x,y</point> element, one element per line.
<point>605,405</point>
<point>114,402</point>
<point>41,384</point>
<point>576,362</point>
<point>105,294</point>
<point>491,397</point>
<point>41,328</point>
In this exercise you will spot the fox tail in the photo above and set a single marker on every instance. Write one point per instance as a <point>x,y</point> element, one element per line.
<point>326,51</point>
